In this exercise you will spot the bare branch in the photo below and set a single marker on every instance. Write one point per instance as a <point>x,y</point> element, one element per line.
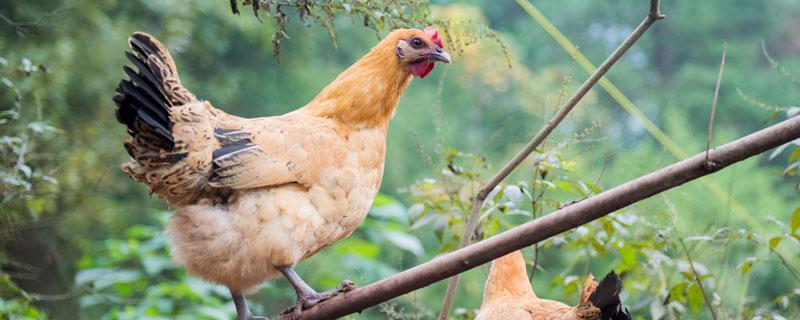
<point>477,202</point>
<point>550,225</point>
<point>714,104</point>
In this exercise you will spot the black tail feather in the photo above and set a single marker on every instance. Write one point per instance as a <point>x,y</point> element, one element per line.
<point>606,298</point>
<point>149,88</point>
<point>145,70</point>
<point>142,104</point>
<point>142,99</point>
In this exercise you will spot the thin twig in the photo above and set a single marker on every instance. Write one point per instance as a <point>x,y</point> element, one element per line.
<point>697,275</point>
<point>57,296</point>
<point>596,182</point>
<point>20,26</point>
<point>477,202</point>
<point>536,199</point>
<point>552,224</point>
<point>708,164</point>
<point>795,274</point>
<point>19,226</point>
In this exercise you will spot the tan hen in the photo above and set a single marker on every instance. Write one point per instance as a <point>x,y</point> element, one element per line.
<point>253,197</point>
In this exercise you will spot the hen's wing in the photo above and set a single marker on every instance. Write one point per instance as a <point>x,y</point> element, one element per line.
<point>276,150</point>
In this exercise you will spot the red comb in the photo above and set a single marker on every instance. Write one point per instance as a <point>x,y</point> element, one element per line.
<point>434,33</point>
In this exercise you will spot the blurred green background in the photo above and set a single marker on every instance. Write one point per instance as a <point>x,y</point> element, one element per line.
<point>79,240</point>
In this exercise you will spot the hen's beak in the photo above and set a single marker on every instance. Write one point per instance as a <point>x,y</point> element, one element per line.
<point>439,55</point>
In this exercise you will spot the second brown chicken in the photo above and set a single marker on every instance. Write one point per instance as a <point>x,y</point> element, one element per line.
<point>508,295</point>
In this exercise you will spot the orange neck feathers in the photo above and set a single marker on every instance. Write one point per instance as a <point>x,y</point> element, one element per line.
<point>508,277</point>
<point>367,93</point>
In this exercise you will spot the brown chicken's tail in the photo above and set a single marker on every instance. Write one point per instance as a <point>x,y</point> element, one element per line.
<point>144,101</point>
<point>606,298</point>
<point>166,123</point>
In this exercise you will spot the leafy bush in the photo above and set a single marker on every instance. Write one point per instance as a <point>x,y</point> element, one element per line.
<point>133,277</point>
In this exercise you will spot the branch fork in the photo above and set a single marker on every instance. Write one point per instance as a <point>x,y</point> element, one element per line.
<point>477,203</point>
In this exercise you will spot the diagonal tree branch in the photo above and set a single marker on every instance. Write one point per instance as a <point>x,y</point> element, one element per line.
<point>477,202</point>
<point>560,221</point>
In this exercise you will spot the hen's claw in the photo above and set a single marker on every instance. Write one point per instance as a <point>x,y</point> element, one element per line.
<point>308,300</point>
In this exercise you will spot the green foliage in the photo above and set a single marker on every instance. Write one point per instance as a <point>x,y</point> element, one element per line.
<point>26,180</point>
<point>26,170</point>
<point>133,277</point>
<point>788,301</point>
<point>15,303</point>
<point>445,202</point>
<point>377,15</point>
<point>664,275</point>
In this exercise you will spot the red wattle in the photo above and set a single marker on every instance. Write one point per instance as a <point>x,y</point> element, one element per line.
<point>422,68</point>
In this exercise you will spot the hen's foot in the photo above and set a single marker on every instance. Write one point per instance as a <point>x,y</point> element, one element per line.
<point>306,296</point>
<point>308,300</point>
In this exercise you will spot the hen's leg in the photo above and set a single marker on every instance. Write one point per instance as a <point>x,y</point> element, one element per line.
<point>242,311</point>
<point>306,296</point>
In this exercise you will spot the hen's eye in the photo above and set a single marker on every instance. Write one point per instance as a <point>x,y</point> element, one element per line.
<point>416,43</point>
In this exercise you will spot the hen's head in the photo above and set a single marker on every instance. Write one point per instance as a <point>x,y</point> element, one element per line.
<point>418,50</point>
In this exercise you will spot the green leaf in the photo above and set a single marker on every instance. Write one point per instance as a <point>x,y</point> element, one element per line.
<point>747,265</point>
<point>657,309</point>
<point>405,241</point>
<point>597,246</point>
<point>382,200</point>
<point>213,313</point>
<point>359,247</point>
<point>774,242</point>
<point>388,208</point>
<point>782,301</point>
<point>794,155</point>
<point>513,193</point>
<point>153,265</point>
<point>791,167</point>
<point>439,226</point>
<point>795,222</point>
<point>678,292</point>
<point>565,186</point>
<point>90,275</point>
<point>103,278</point>
<point>570,285</point>
<point>428,218</point>
<point>628,255</point>
<point>695,295</point>
<point>608,227</point>
<point>415,211</point>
